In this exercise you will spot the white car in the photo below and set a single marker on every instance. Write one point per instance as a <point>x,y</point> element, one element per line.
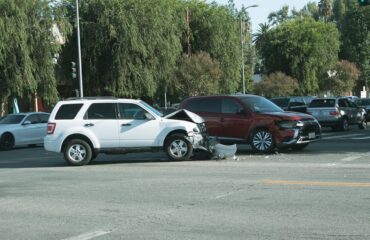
<point>82,128</point>
<point>23,129</point>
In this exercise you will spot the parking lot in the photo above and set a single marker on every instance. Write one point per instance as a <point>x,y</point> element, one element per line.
<point>321,192</point>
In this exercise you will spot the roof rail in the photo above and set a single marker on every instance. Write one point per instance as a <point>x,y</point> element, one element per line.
<point>91,98</point>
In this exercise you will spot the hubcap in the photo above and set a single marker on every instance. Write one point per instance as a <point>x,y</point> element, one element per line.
<point>345,124</point>
<point>262,140</point>
<point>77,152</point>
<point>178,148</point>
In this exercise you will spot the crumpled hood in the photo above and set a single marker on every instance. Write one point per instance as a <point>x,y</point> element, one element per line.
<point>185,115</point>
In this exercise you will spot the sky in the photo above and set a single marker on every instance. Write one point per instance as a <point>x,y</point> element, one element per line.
<point>265,7</point>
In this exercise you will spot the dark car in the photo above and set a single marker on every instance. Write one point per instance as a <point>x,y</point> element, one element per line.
<point>254,120</point>
<point>365,104</point>
<point>295,104</point>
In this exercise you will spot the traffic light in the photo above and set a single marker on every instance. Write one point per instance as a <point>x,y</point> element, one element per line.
<point>363,2</point>
<point>73,70</point>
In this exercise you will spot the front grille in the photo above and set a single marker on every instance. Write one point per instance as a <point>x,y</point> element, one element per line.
<point>310,126</point>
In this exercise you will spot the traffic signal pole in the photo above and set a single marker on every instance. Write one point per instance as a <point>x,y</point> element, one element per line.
<point>79,51</point>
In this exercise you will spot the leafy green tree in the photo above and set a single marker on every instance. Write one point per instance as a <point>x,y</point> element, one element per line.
<point>196,75</point>
<point>303,49</point>
<point>311,9</point>
<point>276,84</point>
<point>342,79</point>
<point>26,49</point>
<point>279,16</point>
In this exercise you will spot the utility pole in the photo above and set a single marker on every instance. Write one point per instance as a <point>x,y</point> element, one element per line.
<point>79,51</point>
<point>188,31</point>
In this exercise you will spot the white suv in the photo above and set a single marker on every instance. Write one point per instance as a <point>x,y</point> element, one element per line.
<point>82,128</point>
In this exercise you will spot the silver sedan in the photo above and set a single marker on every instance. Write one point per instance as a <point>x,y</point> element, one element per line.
<point>23,129</point>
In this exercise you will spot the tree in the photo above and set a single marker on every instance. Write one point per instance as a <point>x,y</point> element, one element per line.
<point>276,84</point>
<point>342,79</point>
<point>326,9</point>
<point>280,16</point>
<point>303,49</point>
<point>196,75</point>
<point>26,49</point>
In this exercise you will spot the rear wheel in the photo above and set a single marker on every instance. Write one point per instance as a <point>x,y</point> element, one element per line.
<point>362,124</point>
<point>344,126</point>
<point>77,152</point>
<point>178,148</point>
<point>6,141</point>
<point>262,141</point>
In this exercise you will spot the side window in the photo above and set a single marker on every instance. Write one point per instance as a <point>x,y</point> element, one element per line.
<point>352,104</point>
<point>34,119</point>
<point>230,106</point>
<point>44,118</point>
<point>205,105</point>
<point>68,111</point>
<point>131,111</point>
<point>342,103</point>
<point>101,111</point>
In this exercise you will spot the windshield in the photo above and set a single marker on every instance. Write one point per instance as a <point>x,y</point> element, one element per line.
<point>281,102</point>
<point>155,111</point>
<point>12,119</point>
<point>363,102</point>
<point>260,104</point>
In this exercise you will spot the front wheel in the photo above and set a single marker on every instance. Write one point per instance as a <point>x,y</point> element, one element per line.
<point>178,148</point>
<point>6,141</point>
<point>77,152</point>
<point>362,124</point>
<point>262,141</point>
<point>344,126</point>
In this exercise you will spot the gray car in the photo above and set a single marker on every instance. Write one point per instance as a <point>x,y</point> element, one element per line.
<point>337,113</point>
<point>23,129</point>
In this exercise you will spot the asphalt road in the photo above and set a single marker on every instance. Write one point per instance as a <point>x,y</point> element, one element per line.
<point>322,192</point>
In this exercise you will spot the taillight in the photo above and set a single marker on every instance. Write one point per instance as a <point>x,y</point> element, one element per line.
<point>334,113</point>
<point>51,128</point>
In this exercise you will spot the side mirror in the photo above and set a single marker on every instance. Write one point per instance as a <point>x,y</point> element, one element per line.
<point>26,123</point>
<point>149,116</point>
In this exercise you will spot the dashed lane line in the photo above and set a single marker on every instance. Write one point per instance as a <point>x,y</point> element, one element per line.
<point>317,184</point>
<point>89,235</point>
<point>341,136</point>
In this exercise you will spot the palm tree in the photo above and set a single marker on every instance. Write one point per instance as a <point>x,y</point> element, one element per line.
<point>326,9</point>
<point>259,38</point>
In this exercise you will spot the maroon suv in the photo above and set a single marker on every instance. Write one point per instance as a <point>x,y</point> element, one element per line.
<point>254,120</point>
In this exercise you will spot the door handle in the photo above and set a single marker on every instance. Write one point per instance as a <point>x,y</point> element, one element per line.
<point>125,124</point>
<point>89,124</point>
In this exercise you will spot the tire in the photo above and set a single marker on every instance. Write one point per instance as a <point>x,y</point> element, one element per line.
<point>202,155</point>
<point>178,148</point>
<point>299,146</point>
<point>344,125</point>
<point>262,141</point>
<point>362,124</point>
<point>6,141</point>
<point>77,152</point>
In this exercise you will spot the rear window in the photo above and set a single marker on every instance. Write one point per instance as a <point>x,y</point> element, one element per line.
<point>68,111</point>
<point>322,103</point>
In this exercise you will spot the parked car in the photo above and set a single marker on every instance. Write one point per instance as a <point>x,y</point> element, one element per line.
<point>365,104</point>
<point>295,104</point>
<point>337,113</point>
<point>22,129</point>
<point>82,128</point>
<point>254,120</point>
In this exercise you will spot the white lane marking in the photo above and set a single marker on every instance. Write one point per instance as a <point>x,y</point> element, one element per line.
<point>342,136</point>
<point>224,195</point>
<point>89,235</point>
<point>361,138</point>
<point>349,159</point>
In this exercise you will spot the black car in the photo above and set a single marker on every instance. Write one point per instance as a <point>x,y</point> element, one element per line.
<point>294,104</point>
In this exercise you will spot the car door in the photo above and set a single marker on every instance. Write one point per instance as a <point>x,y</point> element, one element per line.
<point>210,109</point>
<point>343,104</point>
<point>29,130</point>
<point>135,128</point>
<point>357,112</point>
<point>101,120</point>
<point>235,123</point>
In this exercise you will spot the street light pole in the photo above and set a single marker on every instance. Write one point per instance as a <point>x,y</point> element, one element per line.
<point>242,44</point>
<point>79,51</point>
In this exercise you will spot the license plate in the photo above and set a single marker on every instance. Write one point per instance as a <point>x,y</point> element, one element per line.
<point>311,135</point>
